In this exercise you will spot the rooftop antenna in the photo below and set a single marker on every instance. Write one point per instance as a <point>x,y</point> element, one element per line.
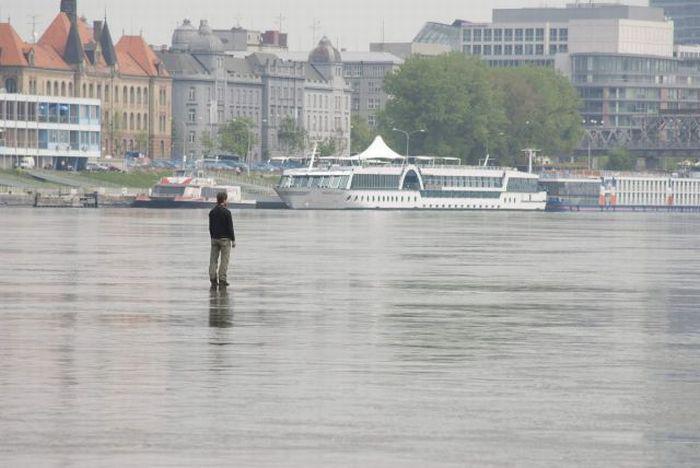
<point>33,19</point>
<point>315,26</point>
<point>279,21</point>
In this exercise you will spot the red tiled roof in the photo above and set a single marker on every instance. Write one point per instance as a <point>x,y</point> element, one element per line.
<point>47,57</point>
<point>137,58</point>
<point>56,35</point>
<point>11,47</point>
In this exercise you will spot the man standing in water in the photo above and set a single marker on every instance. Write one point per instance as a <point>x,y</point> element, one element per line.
<point>222,240</point>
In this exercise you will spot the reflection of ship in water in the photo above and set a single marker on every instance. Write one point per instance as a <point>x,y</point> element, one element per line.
<point>622,192</point>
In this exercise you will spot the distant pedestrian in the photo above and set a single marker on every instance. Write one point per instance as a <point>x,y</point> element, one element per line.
<point>222,240</point>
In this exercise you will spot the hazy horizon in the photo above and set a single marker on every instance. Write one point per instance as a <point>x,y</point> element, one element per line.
<point>351,26</point>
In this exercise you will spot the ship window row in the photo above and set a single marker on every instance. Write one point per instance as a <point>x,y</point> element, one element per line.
<point>333,182</point>
<point>383,198</point>
<point>50,112</point>
<point>458,194</point>
<point>571,189</point>
<point>522,185</point>
<point>432,182</point>
<point>375,181</point>
<point>658,185</point>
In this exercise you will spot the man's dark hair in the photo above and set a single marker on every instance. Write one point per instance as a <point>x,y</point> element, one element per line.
<point>221,197</point>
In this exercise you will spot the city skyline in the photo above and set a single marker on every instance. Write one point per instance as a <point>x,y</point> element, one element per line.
<point>352,28</point>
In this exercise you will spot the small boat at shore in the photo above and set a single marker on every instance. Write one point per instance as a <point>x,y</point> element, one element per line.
<point>190,192</point>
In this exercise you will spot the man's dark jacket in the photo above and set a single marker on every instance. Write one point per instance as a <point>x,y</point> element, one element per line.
<point>221,223</point>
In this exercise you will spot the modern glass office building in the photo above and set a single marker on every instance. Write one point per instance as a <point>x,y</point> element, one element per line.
<point>686,18</point>
<point>617,89</point>
<point>44,131</point>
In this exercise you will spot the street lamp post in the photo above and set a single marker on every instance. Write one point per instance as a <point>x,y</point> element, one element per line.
<point>408,136</point>
<point>589,134</point>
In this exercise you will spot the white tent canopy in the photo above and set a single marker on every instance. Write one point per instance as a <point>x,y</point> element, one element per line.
<point>378,150</point>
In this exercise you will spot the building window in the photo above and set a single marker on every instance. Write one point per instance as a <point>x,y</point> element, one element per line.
<point>529,34</point>
<point>519,49</point>
<point>529,49</point>
<point>191,115</point>
<point>192,96</point>
<point>487,50</point>
<point>487,35</point>
<point>508,49</point>
<point>11,85</point>
<point>563,48</point>
<point>552,49</point>
<point>539,49</point>
<point>539,34</point>
<point>507,35</point>
<point>476,50</point>
<point>553,34</point>
<point>467,35</point>
<point>192,137</point>
<point>563,34</point>
<point>497,35</point>
<point>518,34</point>
<point>477,35</point>
<point>498,50</point>
<point>132,95</point>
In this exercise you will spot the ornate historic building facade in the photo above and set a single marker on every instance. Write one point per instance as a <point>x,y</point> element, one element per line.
<point>74,59</point>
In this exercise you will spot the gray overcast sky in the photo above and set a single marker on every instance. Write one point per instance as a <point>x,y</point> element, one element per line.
<point>354,23</point>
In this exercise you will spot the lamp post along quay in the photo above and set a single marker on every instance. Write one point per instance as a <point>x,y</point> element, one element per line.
<point>589,136</point>
<point>408,136</point>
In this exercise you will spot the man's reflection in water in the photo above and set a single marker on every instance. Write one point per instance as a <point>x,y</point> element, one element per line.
<point>220,312</point>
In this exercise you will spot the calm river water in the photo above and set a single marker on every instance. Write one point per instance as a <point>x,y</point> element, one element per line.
<point>350,339</point>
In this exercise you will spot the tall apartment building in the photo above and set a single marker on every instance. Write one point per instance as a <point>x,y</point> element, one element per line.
<point>686,18</point>
<point>74,59</point>
<point>365,72</point>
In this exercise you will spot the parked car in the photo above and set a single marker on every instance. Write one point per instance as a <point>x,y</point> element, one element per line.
<point>265,167</point>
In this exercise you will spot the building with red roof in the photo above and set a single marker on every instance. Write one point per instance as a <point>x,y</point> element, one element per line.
<point>75,59</point>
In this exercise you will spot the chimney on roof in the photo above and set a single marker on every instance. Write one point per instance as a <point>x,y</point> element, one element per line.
<point>70,8</point>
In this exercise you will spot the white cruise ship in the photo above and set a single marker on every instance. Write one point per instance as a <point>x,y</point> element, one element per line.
<point>379,178</point>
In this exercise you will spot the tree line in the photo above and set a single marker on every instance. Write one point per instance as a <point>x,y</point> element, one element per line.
<point>455,105</point>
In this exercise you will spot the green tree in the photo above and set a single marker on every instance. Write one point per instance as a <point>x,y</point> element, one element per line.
<point>469,110</point>
<point>541,107</point>
<point>142,142</point>
<point>450,97</point>
<point>208,143</point>
<point>361,134</point>
<point>236,136</point>
<point>619,159</point>
<point>290,136</point>
<point>327,147</point>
